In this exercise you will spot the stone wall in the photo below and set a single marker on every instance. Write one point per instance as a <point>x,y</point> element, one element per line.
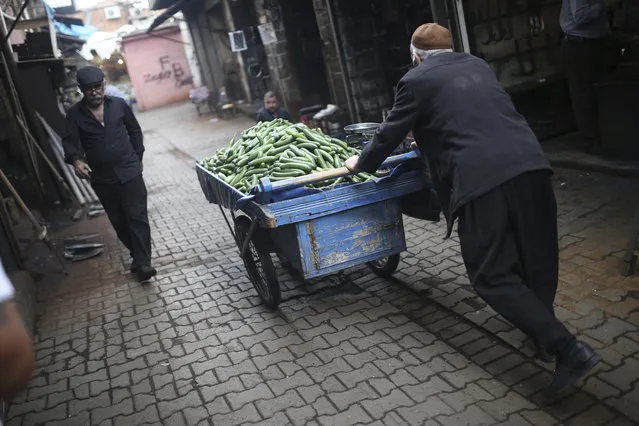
<point>285,82</point>
<point>362,55</point>
<point>335,77</point>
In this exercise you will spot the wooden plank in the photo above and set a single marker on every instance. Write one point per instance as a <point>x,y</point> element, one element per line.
<point>30,24</point>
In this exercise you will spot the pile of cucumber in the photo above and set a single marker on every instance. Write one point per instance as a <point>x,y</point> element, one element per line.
<point>280,150</point>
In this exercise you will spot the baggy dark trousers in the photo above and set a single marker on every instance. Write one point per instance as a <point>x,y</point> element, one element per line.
<point>126,206</point>
<point>509,244</point>
<point>584,62</point>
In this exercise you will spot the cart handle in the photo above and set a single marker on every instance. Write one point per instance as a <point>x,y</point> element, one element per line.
<point>266,185</point>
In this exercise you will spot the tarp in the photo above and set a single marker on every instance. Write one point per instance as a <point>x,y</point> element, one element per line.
<point>82,32</point>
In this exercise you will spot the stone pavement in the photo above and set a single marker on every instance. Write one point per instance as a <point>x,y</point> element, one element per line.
<point>196,347</point>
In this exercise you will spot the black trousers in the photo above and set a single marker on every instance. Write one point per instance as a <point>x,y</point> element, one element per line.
<point>585,63</point>
<point>126,206</point>
<point>509,245</point>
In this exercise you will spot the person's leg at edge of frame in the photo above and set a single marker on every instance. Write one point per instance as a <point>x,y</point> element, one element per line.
<point>580,62</point>
<point>489,250</point>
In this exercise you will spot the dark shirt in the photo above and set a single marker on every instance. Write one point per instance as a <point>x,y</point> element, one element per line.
<point>584,18</point>
<point>464,123</point>
<point>265,115</point>
<point>113,151</point>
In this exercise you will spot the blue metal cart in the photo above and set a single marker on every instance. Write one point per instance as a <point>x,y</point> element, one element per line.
<point>318,231</point>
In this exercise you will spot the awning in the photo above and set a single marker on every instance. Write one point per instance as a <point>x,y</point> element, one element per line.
<point>173,7</point>
<point>168,13</point>
<point>162,4</point>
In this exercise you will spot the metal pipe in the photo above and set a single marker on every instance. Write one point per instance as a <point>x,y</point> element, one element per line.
<point>94,196</point>
<point>18,16</point>
<point>41,230</point>
<point>59,155</point>
<point>15,98</point>
<point>88,190</point>
<point>68,174</point>
<point>30,139</point>
<point>342,63</point>
<point>82,185</point>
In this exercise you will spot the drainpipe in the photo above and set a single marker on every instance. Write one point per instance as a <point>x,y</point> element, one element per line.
<point>342,62</point>
<point>228,17</point>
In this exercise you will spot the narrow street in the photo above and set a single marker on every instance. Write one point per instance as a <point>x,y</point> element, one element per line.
<point>195,347</point>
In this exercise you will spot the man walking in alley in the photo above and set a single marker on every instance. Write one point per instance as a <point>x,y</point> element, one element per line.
<point>104,144</point>
<point>490,172</point>
<point>271,110</point>
<point>585,49</point>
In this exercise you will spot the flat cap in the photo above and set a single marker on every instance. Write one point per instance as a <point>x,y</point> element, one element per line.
<point>89,76</point>
<point>432,37</point>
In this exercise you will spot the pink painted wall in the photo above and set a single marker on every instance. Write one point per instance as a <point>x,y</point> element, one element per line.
<point>158,68</point>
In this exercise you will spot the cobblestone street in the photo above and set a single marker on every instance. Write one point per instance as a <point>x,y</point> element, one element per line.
<point>196,347</point>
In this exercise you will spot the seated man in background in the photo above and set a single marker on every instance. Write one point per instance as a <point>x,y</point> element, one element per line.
<point>271,110</point>
<point>16,351</point>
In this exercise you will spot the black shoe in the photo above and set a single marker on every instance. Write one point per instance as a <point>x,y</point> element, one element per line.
<point>572,364</point>
<point>133,268</point>
<point>145,273</point>
<point>542,353</point>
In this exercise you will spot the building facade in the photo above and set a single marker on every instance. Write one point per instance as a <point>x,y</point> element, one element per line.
<point>158,67</point>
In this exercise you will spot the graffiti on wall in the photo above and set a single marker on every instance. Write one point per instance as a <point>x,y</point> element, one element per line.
<point>169,70</point>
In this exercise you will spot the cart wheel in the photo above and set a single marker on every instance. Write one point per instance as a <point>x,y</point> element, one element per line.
<point>259,265</point>
<point>385,266</point>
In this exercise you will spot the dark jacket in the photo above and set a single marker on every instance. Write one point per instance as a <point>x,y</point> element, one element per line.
<point>113,151</point>
<point>265,115</point>
<point>464,123</point>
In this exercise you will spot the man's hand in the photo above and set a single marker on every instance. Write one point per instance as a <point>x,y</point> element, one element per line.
<point>82,169</point>
<point>351,163</point>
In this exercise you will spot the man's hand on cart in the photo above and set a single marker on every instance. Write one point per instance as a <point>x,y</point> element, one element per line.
<point>351,163</point>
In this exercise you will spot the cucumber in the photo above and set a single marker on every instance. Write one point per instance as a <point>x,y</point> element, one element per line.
<point>308,145</point>
<point>298,165</point>
<point>262,160</point>
<point>289,173</point>
<point>284,141</point>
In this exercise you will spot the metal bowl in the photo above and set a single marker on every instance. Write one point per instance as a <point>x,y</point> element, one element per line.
<point>366,129</point>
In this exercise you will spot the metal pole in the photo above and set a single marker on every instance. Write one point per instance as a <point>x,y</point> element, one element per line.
<point>13,93</point>
<point>58,177</point>
<point>60,158</point>
<point>84,185</point>
<point>228,16</point>
<point>18,16</point>
<point>42,231</point>
<point>76,180</point>
<point>342,62</point>
<point>70,177</point>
